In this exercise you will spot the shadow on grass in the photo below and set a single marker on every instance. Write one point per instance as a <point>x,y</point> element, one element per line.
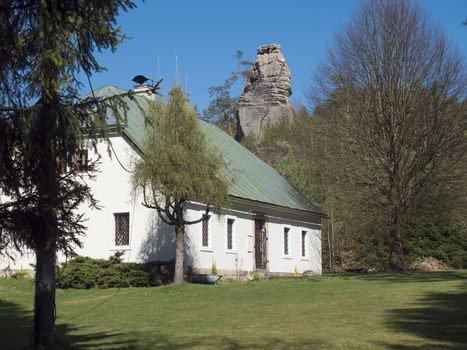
<point>164,343</point>
<point>16,328</point>
<point>16,324</point>
<point>440,319</point>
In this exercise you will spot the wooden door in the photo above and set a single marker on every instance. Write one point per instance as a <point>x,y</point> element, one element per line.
<point>261,244</point>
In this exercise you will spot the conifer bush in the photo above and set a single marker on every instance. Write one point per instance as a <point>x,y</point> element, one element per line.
<point>85,273</point>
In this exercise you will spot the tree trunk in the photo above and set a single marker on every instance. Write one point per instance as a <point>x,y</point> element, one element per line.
<point>44,302</point>
<point>332,241</point>
<point>397,253</point>
<point>397,263</point>
<point>179,253</point>
<point>45,235</point>
<point>329,250</point>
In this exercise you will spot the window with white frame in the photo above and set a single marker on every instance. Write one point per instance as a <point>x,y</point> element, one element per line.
<point>230,224</point>
<point>286,240</point>
<point>205,231</point>
<point>304,234</point>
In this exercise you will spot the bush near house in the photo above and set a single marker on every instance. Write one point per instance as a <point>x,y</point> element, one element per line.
<point>84,273</point>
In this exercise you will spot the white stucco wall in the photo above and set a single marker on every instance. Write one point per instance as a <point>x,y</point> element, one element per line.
<point>239,258</point>
<point>293,262</point>
<point>112,189</point>
<point>23,261</point>
<point>242,256</point>
<point>151,240</point>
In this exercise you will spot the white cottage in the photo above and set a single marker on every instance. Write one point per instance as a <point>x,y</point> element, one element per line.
<point>271,228</point>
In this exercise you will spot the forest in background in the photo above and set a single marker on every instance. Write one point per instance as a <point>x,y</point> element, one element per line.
<point>354,234</point>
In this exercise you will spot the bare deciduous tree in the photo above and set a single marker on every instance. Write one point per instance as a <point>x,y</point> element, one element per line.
<point>393,86</point>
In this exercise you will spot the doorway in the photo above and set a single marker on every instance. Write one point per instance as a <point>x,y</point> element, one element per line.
<point>261,244</point>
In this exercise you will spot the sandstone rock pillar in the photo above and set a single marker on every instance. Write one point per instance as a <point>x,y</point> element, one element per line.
<point>265,98</point>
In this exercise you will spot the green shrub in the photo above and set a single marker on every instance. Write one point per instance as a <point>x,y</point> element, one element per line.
<point>254,276</point>
<point>84,273</point>
<point>20,274</point>
<point>442,241</point>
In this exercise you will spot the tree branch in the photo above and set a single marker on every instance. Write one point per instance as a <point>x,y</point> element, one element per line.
<point>203,217</point>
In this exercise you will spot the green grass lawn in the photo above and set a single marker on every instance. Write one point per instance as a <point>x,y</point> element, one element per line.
<point>422,311</point>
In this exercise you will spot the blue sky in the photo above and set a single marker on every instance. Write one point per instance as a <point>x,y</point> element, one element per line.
<point>205,34</point>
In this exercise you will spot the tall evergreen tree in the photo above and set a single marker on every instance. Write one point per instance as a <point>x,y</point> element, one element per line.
<point>179,165</point>
<point>47,46</point>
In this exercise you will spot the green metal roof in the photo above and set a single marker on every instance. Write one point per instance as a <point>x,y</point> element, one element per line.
<point>253,179</point>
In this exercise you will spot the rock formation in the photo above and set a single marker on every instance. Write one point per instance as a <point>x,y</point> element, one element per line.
<point>265,99</point>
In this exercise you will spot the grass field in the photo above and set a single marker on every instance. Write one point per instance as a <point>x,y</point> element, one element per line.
<point>422,311</point>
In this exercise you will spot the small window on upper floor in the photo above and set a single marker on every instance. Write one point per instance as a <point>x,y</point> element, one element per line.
<point>61,164</point>
<point>81,160</point>
<point>122,229</point>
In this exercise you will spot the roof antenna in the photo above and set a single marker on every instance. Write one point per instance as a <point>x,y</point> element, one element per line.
<point>158,67</point>
<point>177,73</point>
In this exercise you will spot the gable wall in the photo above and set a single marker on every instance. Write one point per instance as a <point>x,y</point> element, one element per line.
<point>112,188</point>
